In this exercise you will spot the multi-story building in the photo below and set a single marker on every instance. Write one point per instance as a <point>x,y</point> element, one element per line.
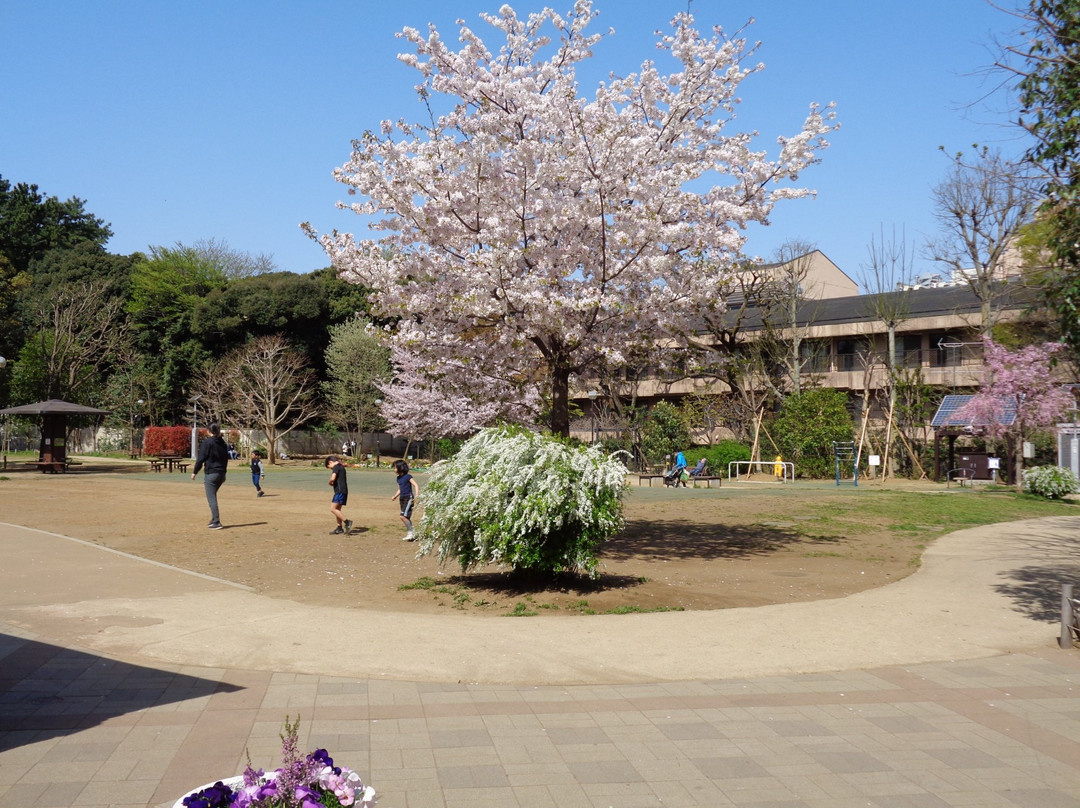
<point>841,338</point>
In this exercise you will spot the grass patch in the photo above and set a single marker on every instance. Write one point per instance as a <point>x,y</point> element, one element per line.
<point>917,513</point>
<point>426,582</point>
<point>631,609</point>
<point>521,610</point>
<point>458,594</point>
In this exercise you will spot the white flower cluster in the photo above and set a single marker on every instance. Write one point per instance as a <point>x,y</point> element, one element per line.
<point>1052,482</point>
<point>524,500</point>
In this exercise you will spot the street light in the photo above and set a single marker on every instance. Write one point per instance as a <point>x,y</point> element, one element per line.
<point>131,434</point>
<point>194,425</point>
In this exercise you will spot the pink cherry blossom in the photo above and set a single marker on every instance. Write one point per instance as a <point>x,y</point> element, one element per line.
<point>526,233</point>
<point>1023,383</point>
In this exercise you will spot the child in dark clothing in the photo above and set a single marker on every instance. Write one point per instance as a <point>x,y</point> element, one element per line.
<point>341,494</point>
<point>257,472</point>
<point>406,494</point>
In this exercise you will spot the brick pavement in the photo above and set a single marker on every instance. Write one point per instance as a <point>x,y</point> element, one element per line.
<point>82,724</point>
<point>83,730</point>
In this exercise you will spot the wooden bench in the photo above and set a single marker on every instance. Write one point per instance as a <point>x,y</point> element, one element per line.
<point>182,466</point>
<point>708,479</point>
<point>649,477</point>
<point>156,465</point>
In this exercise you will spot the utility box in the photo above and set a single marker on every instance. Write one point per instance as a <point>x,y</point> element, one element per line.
<point>977,462</point>
<point>1069,447</point>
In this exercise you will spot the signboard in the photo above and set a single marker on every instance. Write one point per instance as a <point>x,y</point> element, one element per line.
<point>875,460</point>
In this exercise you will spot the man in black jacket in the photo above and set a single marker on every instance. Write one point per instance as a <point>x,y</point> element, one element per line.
<point>214,455</point>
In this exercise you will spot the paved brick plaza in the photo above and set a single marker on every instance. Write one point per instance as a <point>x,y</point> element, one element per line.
<point>82,727</point>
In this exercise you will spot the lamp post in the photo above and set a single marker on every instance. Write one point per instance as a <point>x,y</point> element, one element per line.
<point>592,411</point>
<point>194,425</point>
<point>131,434</point>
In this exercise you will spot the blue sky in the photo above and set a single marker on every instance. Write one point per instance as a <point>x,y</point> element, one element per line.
<point>223,119</point>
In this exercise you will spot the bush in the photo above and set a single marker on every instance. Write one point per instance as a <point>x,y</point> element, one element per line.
<point>531,502</point>
<point>174,440</point>
<point>808,424</point>
<point>447,447</point>
<point>663,433</point>
<point>1052,482</point>
<point>718,456</point>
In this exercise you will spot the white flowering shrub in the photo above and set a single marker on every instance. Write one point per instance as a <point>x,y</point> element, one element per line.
<point>1052,482</point>
<point>527,501</point>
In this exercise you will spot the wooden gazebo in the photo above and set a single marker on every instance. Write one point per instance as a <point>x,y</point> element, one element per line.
<point>52,454</point>
<point>950,423</point>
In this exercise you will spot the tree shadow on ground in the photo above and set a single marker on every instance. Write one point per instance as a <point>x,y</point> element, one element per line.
<point>47,691</point>
<point>680,540</point>
<point>640,540</point>
<point>1035,588</point>
<point>509,584</point>
<point>1036,591</point>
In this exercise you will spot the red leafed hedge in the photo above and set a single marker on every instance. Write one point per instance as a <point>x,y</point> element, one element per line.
<point>175,440</point>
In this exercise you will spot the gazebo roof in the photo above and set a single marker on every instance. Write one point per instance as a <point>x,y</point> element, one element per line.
<point>53,406</point>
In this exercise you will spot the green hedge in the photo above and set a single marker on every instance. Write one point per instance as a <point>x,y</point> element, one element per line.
<point>718,456</point>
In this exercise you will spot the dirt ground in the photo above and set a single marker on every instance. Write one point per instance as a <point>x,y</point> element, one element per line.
<point>741,545</point>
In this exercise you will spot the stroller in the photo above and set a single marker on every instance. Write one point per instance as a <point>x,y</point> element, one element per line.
<point>673,476</point>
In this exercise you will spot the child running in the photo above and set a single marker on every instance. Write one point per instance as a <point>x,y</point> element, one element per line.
<point>406,494</point>
<point>257,472</point>
<point>341,494</point>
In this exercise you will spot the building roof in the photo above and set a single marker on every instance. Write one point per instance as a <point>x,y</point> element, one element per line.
<point>917,303</point>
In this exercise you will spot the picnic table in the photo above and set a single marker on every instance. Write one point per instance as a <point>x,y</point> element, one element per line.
<point>169,462</point>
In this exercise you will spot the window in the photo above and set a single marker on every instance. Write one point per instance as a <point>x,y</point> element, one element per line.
<point>846,354</point>
<point>911,351</point>
<point>946,349</point>
<point>814,354</point>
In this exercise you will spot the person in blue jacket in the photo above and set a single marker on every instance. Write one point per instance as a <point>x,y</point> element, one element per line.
<point>680,469</point>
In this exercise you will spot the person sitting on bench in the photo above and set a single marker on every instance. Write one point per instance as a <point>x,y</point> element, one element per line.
<point>699,469</point>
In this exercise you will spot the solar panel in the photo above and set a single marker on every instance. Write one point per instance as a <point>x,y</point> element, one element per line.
<point>948,413</point>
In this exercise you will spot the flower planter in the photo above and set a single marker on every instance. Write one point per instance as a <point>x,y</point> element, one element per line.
<point>231,782</point>
<point>310,781</point>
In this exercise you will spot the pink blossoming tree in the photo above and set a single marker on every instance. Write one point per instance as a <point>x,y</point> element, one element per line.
<point>437,400</point>
<point>1020,387</point>
<point>533,232</point>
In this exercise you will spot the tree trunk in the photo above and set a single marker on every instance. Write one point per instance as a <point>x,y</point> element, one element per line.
<point>560,402</point>
<point>1019,462</point>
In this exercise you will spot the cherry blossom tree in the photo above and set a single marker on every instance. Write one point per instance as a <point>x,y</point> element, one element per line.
<point>1020,387</point>
<point>434,401</point>
<point>528,227</point>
